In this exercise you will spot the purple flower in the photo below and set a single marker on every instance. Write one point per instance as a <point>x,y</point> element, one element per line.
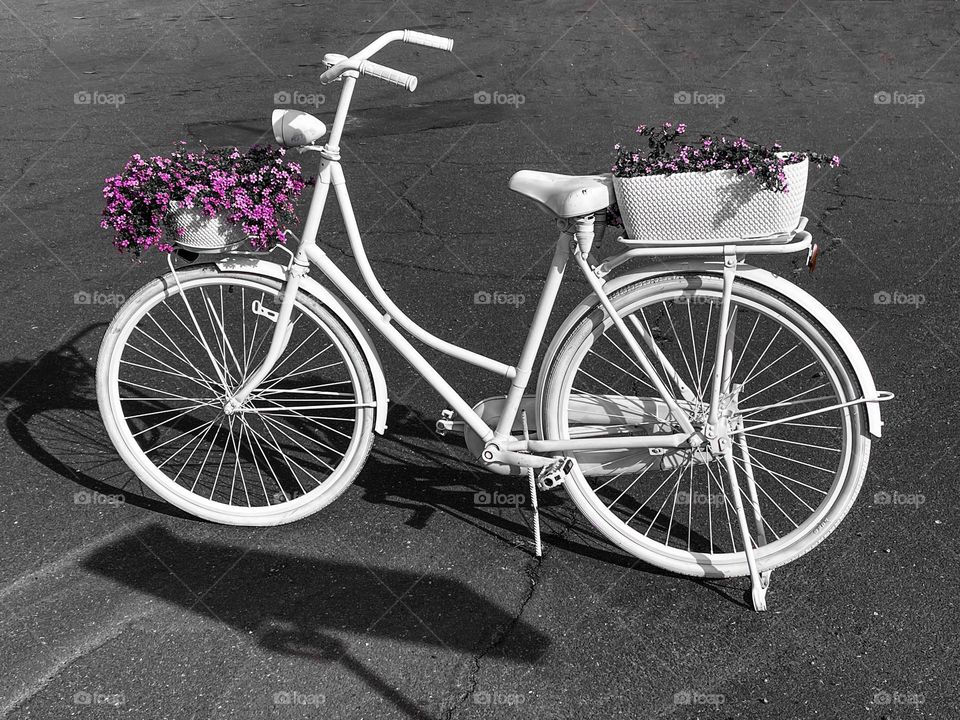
<point>253,189</point>
<point>665,153</point>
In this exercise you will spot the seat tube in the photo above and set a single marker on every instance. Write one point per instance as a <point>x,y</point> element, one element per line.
<point>538,326</point>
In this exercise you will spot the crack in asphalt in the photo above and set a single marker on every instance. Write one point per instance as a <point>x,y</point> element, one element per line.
<point>533,571</point>
<point>423,229</point>
<point>831,241</point>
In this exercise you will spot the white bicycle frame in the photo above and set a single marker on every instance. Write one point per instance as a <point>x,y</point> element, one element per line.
<point>722,430</point>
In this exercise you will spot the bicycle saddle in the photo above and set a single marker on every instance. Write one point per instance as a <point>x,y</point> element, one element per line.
<point>565,196</point>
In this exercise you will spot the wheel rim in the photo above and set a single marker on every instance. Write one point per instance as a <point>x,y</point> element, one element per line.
<point>293,436</point>
<point>677,514</point>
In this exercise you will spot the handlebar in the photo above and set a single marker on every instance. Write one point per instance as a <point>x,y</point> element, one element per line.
<point>360,61</point>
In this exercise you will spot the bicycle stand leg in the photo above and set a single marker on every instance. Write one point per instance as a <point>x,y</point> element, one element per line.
<point>538,547</point>
<point>758,584</point>
<point>754,500</point>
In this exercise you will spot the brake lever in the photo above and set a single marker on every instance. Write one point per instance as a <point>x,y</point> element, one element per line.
<point>332,59</point>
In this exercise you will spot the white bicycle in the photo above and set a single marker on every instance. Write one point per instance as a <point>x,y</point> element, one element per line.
<point>706,416</point>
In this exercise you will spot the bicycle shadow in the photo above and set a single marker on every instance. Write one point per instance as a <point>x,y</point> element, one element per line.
<point>53,416</point>
<point>307,606</point>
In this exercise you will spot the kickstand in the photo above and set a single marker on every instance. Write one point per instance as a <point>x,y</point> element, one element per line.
<point>533,493</point>
<point>754,503</point>
<point>759,581</point>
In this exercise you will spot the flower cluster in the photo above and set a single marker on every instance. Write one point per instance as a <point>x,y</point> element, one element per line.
<point>667,152</point>
<point>255,189</point>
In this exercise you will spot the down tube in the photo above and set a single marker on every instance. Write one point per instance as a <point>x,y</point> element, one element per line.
<point>319,258</point>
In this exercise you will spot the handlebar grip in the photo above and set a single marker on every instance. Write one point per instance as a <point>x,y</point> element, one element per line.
<point>389,74</point>
<point>434,41</point>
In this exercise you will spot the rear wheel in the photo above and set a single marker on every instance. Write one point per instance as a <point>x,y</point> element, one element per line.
<point>170,359</point>
<point>674,509</point>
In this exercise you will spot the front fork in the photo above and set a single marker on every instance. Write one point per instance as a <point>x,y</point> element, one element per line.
<point>278,343</point>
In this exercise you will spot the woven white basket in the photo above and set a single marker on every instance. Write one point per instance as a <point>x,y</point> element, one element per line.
<point>699,206</point>
<point>204,234</point>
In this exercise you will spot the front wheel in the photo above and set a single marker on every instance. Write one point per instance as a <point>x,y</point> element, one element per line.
<point>674,509</point>
<point>174,353</point>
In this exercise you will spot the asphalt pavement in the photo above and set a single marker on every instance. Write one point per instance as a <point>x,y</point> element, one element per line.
<point>408,597</point>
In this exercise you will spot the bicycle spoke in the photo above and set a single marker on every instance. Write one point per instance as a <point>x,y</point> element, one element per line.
<point>777,382</point>
<point>746,345</point>
<point>727,505</point>
<point>165,410</point>
<point>612,364</point>
<point>792,442</point>
<point>777,505</point>
<point>177,351</point>
<point>312,419</point>
<point>165,372</point>
<point>279,427</point>
<point>793,460</point>
<point>706,341</point>
<point>693,345</point>
<point>664,503</point>
<point>690,374</point>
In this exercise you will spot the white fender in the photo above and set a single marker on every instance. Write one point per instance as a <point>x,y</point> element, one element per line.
<point>255,266</point>
<point>748,272</point>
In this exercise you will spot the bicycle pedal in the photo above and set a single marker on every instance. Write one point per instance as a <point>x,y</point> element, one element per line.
<point>554,475</point>
<point>447,424</point>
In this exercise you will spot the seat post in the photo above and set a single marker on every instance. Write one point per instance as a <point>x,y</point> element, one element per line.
<point>584,232</point>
